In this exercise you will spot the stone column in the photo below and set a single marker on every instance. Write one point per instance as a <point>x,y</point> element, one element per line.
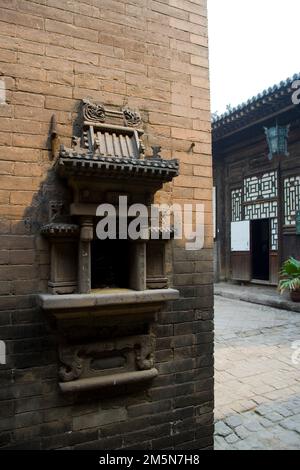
<point>137,277</point>
<point>84,256</point>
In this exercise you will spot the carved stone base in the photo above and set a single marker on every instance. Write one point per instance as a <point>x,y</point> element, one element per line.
<point>106,363</point>
<point>111,381</point>
<point>60,288</point>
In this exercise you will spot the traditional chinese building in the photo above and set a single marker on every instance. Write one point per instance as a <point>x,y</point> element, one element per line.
<point>109,343</point>
<point>257,180</point>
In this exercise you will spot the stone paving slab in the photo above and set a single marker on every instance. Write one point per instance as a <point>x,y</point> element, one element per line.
<point>261,295</point>
<point>257,385</point>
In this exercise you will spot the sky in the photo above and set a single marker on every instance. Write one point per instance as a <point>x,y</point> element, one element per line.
<point>254,44</point>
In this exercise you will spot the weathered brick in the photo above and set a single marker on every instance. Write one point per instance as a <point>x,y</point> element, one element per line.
<point>27,169</point>
<point>30,141</point>
<point>22,257</point>
<point>198,7</point>
<point>6,168</point>
<point>99,418</point>
<point>18,18</point>
<point>44,37</point>
<point>102,444</point>
<point>43,88</point>
<point>28,99</point>
<point>8,56</point>
<point>45,11</point>
<point>45,63</point>
<point>22,45</point>
<point>188,26</point>
<point>24,71</point>
<point>17,154</point>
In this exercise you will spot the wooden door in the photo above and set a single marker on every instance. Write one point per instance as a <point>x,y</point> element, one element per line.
<point>240,251</point>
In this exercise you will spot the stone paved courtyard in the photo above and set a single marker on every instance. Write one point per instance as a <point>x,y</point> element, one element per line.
<point>257,385</point>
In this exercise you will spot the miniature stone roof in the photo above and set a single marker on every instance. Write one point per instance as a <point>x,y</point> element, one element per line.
<point>271,101</point>
<point>71,163</point>
<point>113,149</point>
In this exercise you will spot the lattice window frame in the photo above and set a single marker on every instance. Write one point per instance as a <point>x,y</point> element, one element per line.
<point>236,205</point>
<point>291,199</point>
<point>274,234</point>
<point>263,187</point>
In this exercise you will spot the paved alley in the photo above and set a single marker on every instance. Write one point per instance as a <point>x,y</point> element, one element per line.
<point>257,374</point>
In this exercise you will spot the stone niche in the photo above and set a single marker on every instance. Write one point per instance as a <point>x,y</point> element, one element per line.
<point>103,295</point>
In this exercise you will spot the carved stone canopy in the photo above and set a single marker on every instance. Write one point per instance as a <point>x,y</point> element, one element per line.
<point>111,146</point>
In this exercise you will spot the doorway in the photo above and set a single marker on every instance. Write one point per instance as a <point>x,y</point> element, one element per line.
<point>260,249</point>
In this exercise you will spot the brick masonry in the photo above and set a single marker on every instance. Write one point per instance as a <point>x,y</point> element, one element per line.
<point>153,56</point>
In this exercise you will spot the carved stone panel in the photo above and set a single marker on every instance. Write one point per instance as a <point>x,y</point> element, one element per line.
<point>106,358</point>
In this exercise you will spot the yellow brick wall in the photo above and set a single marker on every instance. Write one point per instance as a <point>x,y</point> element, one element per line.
<point>150,54</point>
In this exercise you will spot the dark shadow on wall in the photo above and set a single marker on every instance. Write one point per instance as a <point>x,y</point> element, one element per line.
<point>30,344</point>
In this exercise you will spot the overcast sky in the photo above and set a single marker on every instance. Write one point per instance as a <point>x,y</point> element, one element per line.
<point>253,45</point>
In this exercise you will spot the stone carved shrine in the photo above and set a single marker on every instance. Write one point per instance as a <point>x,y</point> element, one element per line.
<point>103,295</point>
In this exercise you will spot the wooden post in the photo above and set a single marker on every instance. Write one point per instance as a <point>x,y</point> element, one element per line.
<point>280,214</point>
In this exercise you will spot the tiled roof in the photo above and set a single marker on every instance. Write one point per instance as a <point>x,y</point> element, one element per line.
<point>72,162</point>
<point>274,98</point>
<point>60,229</point>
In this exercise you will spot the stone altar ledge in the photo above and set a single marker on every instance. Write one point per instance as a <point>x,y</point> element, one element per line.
<point>113,298</point>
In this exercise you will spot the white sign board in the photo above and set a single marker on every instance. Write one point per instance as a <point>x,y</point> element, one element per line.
<point>240,236</point>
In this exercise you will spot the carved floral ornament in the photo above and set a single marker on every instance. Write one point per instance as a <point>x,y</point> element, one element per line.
<point>96,112</point>
<point>132,118</point>
<point>93,112</point>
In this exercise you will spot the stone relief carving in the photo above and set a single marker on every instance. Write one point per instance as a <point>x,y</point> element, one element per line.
<point>132,118</point>
<point>76,143</point>
<point>72,366</point>
<point>93,112</point>
<point>103,133</point>
<point>137,353</point>
<point>56,211</point>
<point>96,112</point>
<point>156,152</point>
<point>145,356</point>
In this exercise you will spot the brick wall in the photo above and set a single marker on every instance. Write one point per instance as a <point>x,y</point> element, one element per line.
<point>151,55</point>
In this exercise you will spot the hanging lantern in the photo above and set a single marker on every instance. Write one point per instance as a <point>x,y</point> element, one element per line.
<point>277,138</point>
